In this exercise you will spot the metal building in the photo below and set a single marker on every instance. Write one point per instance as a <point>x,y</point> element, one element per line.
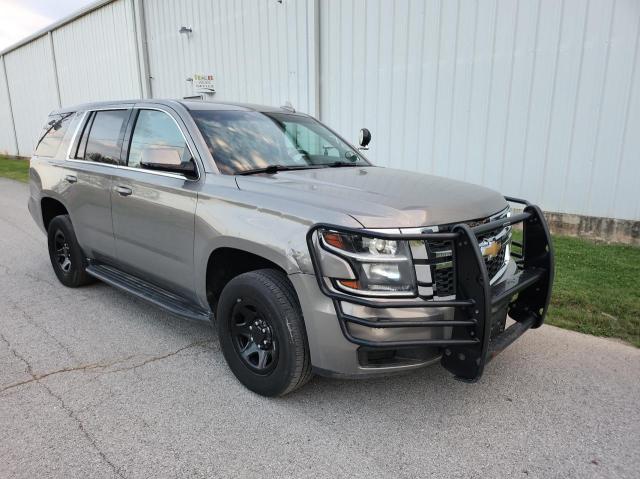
<point>535,98</point>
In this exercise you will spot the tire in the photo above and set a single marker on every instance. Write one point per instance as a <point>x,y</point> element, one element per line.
<point>65,253</point>
<point>262,333</point>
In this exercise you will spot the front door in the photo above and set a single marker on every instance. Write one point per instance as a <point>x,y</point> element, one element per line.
<point>154,211</point>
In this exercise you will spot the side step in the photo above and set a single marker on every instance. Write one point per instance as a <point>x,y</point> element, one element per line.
<point>147,291</point>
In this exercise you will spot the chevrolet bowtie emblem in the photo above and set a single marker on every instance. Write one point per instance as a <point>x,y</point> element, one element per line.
<point>492,249</point>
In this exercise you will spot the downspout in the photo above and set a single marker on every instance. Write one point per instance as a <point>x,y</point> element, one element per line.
<point>142,48</point>
<point>55,68</point>
<point>13,122</point>
<point>314,55</point>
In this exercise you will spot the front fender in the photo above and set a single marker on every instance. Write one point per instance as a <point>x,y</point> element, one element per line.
<point>267,227</point>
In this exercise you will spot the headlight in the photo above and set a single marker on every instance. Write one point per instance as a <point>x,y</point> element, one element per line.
<point>381,267</point>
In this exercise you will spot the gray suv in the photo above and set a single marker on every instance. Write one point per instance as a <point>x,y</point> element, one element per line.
<point>307,258</point>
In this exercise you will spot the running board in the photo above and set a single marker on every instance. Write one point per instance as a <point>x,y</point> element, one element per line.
<point>149,292</point>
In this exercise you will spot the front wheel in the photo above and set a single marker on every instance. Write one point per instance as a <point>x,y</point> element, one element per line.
<point>65,253</point>
<point>262,333</point>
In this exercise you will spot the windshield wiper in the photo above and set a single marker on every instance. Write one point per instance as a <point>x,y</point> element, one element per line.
<point>340,164</point>
<point>273,169</point>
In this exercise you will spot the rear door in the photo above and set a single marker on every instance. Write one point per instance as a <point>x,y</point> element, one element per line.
<point>93,160</point>
<point>154,211</point>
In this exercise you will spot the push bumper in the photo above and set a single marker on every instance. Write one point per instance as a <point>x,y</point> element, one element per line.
<point>463,337</point>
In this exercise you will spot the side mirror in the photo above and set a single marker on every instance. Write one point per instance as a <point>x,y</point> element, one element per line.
<point>169,160</point>
<point>365,138</point>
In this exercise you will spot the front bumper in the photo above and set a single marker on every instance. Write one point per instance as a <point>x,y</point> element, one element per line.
<point>458,330</point>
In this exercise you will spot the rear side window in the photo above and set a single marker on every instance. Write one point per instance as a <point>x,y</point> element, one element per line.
<point>52,135</point>
<point>104,143</point>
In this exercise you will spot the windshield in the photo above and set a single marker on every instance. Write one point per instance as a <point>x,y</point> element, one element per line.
<point>240,141</point>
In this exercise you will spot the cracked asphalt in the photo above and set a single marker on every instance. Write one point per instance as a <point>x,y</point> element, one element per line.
<point>97,384</point>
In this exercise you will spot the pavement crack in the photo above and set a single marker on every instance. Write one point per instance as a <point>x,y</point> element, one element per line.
<point>17,355</point>
<point>81,427</point>
<point>65,406</point>
<point>160,358</point>
<point>31,320</point>
<point>98,367</point>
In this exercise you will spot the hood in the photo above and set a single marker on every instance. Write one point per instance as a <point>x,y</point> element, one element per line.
<point>380,197</point>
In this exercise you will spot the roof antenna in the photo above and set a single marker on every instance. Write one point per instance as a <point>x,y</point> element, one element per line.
<point>288,106</point>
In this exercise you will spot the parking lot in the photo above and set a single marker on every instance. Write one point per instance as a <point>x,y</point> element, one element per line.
<point>94,383</point>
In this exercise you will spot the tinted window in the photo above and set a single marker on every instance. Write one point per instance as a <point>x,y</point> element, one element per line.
<point>241,140</point>
<point>52,135</point>
<point>82,144</point>
<point>105,137</point>
<point>155,133</point>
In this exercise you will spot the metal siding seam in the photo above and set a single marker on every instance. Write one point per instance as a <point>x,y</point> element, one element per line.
<point>529,100</point>
<point>13,122</point>
<point>435,96</point>
<point>509,91</point>
<point>575,107</point>
<point>552,102</point>
<point>623,140</point>
<point>599,117</point>
<point>473,71</point>
<point>491,71</point>
<point>453,88</point>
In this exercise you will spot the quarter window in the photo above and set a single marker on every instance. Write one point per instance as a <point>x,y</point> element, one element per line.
<point>156,138</point>
<point>105,138</point>
<point>53,133</point>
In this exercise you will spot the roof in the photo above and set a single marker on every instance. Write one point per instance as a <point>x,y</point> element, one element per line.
<point>192,105</point>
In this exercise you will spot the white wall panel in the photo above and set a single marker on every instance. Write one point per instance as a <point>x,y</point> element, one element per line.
<point>535,98</point>
<point>32,89</point>
<point>7,139</point>
<point>96,56</point>
<point>257,50</point>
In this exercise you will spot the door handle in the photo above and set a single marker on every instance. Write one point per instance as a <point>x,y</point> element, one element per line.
<point>71,179</point>
<point>123,190</point>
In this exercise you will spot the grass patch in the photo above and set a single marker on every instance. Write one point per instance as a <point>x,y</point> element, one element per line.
<point>14,169</point>
<point>596,289</point>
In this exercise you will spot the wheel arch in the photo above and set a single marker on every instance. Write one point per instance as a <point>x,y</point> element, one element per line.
<point>226,261</point>
<point>50,208</point>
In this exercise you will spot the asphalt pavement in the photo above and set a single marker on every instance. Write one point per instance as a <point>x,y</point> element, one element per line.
<point>95,383</point>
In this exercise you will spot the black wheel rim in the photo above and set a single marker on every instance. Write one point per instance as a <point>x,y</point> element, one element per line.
<point>253,337</point>
<point>63,252</point>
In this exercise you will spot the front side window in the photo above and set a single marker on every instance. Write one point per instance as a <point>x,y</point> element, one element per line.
<point>105,136</point>
<point>241,141</point>
<point>53,133</point>
<point>156,139</point>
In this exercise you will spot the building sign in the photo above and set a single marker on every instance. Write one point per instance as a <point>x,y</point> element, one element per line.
<point>203,82</point>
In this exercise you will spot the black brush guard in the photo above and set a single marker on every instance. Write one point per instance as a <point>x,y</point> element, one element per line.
<point>470,347</point>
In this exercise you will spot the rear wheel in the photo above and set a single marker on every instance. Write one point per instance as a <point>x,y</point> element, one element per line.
<point>65,253</point>
<point>262,333</point>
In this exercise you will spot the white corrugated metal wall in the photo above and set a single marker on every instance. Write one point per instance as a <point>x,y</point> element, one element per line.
<point>32,89</point>
<point>256,49</point>
<point>7,135</point>
<point>95,58</point>
<point>536,98</point>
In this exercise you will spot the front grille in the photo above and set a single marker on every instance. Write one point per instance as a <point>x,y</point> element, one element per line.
<point>443,272</point>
